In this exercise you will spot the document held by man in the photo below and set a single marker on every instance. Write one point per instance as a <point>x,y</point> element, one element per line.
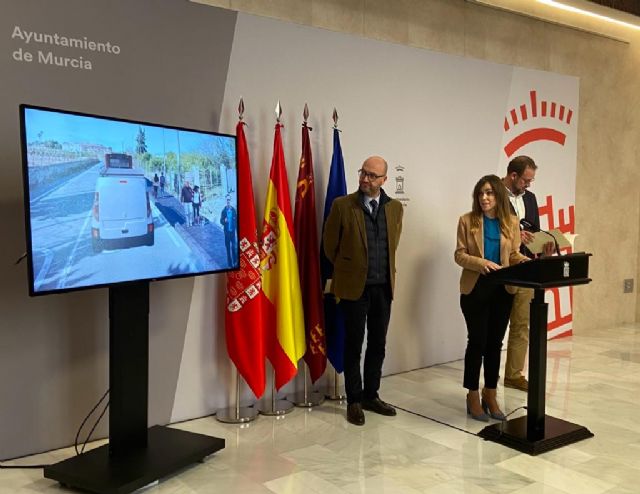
<point>541,238</point>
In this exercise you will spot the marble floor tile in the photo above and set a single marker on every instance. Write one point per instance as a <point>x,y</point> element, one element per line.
<point>431,446</point>
<point>538,488</point>
<point>302,483</point>
<point>379,484</point>
<point>539,469</point>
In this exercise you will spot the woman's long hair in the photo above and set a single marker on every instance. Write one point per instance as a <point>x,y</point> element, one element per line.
<point>503,210</point>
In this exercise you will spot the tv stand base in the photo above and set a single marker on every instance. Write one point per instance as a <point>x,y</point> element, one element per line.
<point>168,450</point>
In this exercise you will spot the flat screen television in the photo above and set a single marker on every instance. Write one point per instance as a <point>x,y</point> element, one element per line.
<point>111,201</point>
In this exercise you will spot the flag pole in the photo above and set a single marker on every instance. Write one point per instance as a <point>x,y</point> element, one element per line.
<point>334,393</point>
<point>275,407</point>
<point>306,399</point>
<point>305,206</point>
<point>236,414</point>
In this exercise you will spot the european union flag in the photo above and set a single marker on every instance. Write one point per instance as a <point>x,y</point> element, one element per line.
<point>333,316</point>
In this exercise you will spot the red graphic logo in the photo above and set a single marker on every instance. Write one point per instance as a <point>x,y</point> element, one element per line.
<point>540,116</point>
<point>535,109</point>
<point>566,224</point>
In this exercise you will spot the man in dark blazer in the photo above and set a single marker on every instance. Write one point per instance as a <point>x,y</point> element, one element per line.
<point>360,239</point>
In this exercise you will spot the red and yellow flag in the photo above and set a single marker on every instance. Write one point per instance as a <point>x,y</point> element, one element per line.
<point>306,237</point>
<point>244,324</point>
<point>284,322</point>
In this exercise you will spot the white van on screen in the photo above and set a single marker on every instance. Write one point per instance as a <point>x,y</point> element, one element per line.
<point>121,215</point>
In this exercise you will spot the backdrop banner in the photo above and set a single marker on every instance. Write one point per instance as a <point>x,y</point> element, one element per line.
<point>441,121</point>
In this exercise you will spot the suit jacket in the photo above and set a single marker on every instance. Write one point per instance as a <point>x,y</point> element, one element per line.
<point>234,219</point>
<point>345,243</point>
<point>531,214</point>
<point>470,251</point>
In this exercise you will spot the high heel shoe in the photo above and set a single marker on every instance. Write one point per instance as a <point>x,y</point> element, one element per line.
<point>482,417</point>
<point>486,396</point>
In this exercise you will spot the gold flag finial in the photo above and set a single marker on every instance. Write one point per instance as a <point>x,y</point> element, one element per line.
<point>335,118</point>
<point>278,112</point>
<point>241,109</point>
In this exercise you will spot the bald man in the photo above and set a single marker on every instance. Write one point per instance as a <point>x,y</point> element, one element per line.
<point>360,239</point>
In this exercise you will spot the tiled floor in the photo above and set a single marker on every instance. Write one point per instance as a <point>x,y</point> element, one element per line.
<point>593,380</point>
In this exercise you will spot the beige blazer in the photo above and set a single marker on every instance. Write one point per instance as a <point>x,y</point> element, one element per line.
<point>470,252</point>
<point>345,244</point>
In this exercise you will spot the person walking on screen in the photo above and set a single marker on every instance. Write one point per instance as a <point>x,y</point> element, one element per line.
<point>186,198</point>
<point>156,183</point>
<point>488,239</point>
<point>521,172</point>
<point>197,202</point>
<point>162,184</point>
<point>361,235</point>
<point>229,222</point>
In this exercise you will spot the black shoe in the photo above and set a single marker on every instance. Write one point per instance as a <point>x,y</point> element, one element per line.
<point>355,415</point>
<point>379,406</point>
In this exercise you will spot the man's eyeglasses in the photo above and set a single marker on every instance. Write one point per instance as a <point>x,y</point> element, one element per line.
<point>365,174</point>
<point>526,181</point>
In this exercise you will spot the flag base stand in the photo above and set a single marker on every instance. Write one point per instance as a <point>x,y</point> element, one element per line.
<point>276,408</point>
<point>339,397</point>
<point>335,394</point>
<point>307,400</point>
<point>234,415</point>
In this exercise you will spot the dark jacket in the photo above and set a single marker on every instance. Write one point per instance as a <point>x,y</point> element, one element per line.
<point>531,215</point>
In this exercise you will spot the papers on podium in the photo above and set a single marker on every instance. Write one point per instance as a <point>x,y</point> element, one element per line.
<point>541,238</point>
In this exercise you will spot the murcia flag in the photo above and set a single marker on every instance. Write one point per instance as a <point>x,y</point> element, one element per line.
<point>244,315</point>
<point>284,322</point>
<point>306,237</point>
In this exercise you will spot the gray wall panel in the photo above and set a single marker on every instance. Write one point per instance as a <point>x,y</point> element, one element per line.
<point>171,69</point>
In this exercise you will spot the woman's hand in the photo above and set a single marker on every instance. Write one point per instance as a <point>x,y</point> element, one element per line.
<point>526,237</point>
<point>489,266</point>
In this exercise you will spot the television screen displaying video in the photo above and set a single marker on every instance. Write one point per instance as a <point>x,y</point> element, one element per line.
<point>111,201</point>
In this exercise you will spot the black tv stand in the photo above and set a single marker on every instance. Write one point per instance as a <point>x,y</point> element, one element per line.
<point>135,455</point>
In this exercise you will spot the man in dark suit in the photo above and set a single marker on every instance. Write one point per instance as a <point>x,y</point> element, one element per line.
<point>521,172</point>
<point>229,222</point>
<point>360,239</point>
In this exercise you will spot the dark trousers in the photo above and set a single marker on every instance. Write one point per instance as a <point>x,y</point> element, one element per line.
<point>486,311</point>
<point>231,246</point>
<point>373,308</point>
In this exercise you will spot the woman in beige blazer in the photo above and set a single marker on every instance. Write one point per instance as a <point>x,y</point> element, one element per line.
<point>488,239</point>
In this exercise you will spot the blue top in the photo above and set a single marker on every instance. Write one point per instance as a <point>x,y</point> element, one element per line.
<point>491,228</point>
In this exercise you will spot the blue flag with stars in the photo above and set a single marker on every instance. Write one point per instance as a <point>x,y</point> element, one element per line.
<point>333,315</point>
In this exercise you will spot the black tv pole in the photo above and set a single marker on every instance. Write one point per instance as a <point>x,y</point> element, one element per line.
<point>136,455</point>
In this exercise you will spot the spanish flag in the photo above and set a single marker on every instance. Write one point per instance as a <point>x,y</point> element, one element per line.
<point>284,322</point>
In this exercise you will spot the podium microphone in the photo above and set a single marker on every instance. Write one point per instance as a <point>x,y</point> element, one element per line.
<point>533,228</point>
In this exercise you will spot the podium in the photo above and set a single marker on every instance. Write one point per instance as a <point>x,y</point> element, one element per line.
<point>536,432</point>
